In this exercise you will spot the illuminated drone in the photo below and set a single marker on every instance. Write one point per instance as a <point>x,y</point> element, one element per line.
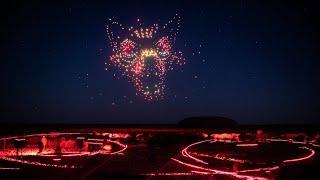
<point>145,54</point>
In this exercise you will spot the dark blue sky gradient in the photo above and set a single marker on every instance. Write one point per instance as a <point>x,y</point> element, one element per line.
<point>258,62</point>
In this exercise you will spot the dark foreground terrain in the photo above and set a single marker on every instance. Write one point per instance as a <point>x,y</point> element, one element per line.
<point>158,152</point>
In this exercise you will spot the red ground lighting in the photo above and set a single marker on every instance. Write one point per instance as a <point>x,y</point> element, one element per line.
<point>11,156</point>
<point>204,169</point>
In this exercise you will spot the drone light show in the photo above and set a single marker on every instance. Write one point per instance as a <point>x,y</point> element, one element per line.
<point>144,54</point>
<point>160,90</point>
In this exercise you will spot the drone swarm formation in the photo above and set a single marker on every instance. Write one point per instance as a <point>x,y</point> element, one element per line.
<point>145,54</point>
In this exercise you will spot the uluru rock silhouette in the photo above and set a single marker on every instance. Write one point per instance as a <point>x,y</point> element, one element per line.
<point>208,122</point>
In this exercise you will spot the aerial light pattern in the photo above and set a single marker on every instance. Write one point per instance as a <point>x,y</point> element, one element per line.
<point>145,53</point>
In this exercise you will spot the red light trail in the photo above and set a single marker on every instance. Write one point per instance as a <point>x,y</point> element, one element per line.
<point>218,171</point>
<point>184,152</point>
<point>37,163</point>
<point>168,174</point>
<point>246,145</point>
<point>211,171</point>
<point>312,153</point>
<point>220,157</point>
<point>9,168</point>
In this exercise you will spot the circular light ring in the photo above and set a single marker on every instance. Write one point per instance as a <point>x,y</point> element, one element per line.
<point>127,50</point>
<point>205,170</point>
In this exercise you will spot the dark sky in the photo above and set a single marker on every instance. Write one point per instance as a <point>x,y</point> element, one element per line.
<point>253,61</point>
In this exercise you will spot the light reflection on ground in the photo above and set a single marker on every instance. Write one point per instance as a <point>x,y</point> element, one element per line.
<point>133,154</point>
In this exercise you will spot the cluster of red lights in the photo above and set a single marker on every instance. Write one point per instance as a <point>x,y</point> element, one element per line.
<point>144,55</point>
<point>10,156</point>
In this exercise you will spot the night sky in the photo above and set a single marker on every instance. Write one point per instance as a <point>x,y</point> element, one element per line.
<point>252,61</point>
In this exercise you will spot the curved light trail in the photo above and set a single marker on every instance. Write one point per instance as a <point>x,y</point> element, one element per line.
<point>210,171</point>
<point>56,157</point>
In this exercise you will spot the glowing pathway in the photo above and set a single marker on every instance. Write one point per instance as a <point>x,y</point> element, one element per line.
<point>201,169</point>
<point>8,155</point>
